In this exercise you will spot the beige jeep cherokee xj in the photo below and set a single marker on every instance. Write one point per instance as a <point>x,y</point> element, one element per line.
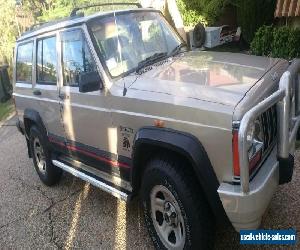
<point>118,100</point>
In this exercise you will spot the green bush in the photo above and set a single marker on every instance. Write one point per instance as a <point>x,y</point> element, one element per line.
<point>204,11</point>
<point>294,43</point>
<point>282,42</point>
<point>280,45</point>
<point>261,44</point>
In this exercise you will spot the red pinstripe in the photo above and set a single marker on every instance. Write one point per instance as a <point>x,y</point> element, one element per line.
<point>100,158</point>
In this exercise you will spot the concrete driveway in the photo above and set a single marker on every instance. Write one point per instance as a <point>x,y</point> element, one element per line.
<point>75,214</point>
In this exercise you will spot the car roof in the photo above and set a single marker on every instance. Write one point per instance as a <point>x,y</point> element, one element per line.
<point>72,21</point>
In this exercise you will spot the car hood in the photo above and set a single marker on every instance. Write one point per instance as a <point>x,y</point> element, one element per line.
<point>218,77</point>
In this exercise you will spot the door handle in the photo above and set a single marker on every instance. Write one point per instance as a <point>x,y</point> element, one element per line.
<point>63,96</point>
<point>37,92</point>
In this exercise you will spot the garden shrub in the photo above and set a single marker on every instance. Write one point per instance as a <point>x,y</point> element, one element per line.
<point>261,44</point>
<point>282,42</point>
<point>294,43</point>
<point>280,46</point>
<point>204,11</point>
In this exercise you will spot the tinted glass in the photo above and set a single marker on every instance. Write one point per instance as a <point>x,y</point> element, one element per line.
<point>76,57</point>
<point>46,61</point>
<point>24,63</point>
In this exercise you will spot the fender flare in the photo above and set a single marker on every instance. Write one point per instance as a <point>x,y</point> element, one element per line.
<point>191,148</point>
<point>33,116</point>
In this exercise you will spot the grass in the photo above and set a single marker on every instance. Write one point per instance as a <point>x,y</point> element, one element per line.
<point>5,109</point>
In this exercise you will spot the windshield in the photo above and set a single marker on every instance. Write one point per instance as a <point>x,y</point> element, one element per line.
<point>124,40</point>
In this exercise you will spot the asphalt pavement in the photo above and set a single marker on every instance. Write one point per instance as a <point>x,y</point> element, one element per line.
<point>74,214</point>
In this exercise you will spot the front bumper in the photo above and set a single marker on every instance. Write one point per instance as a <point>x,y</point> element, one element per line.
<point>246,210</point>
<point>245,204</point>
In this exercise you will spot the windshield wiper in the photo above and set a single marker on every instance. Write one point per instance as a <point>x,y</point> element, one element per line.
<point>177,49</point>
<point>150,60</point>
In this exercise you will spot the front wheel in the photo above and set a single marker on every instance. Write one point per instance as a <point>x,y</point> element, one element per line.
<point>176,212</point>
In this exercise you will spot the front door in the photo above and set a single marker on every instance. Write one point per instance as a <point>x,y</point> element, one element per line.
<point>86,116</point>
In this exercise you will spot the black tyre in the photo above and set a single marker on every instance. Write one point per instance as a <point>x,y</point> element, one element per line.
<point>48,173</point>
<point>176,212</point>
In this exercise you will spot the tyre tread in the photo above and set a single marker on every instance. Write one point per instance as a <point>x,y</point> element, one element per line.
<point>187,181</point>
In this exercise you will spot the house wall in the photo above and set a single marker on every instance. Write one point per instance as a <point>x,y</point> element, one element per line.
<point>295,22</point>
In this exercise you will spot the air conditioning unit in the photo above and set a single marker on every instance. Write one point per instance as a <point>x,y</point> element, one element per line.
<point>210,37</point>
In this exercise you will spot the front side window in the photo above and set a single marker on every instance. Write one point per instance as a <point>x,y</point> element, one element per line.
<point>76,57</point>
<point>46,61</point>
<point>24,63</point>
<point>128,38</point>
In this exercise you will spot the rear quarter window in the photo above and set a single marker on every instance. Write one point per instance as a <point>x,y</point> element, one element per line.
<point>24,63</point>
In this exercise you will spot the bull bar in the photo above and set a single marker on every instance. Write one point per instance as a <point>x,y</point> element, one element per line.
<point>287,99</point>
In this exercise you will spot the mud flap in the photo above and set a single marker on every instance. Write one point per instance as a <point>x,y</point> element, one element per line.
<point>286,169</point>
<point>28,148</point>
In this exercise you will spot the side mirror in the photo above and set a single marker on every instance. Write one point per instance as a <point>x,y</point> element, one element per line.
<point>89,82</point>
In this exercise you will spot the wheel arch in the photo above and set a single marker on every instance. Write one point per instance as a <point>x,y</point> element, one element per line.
<point>185,145</point>
<point>33,117</point>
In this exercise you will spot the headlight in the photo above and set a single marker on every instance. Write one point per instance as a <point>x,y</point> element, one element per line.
<point>254,146</point>
<point>255,138</point>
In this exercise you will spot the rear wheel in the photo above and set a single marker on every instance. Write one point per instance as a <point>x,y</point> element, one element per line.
<point>48,173</point>
<point>176,212</point>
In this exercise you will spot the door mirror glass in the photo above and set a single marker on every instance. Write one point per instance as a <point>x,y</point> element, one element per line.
<point>89,82</point>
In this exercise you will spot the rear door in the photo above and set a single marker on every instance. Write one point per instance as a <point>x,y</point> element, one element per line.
<point>37,79</point>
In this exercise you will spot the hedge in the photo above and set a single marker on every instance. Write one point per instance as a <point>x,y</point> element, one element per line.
<point>282,42</point>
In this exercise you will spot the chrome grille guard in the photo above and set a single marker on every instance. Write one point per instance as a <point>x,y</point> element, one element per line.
<point>287,98</point>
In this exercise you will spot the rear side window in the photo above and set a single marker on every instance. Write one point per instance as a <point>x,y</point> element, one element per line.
<point>76,57</point>
<point>24,63</point>
<point>46,69</point>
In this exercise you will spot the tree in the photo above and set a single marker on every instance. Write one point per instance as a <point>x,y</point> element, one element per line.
<point>57,9</point>
<point>47,10</point>
<point>9,29</point>
<point>205,11</point>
